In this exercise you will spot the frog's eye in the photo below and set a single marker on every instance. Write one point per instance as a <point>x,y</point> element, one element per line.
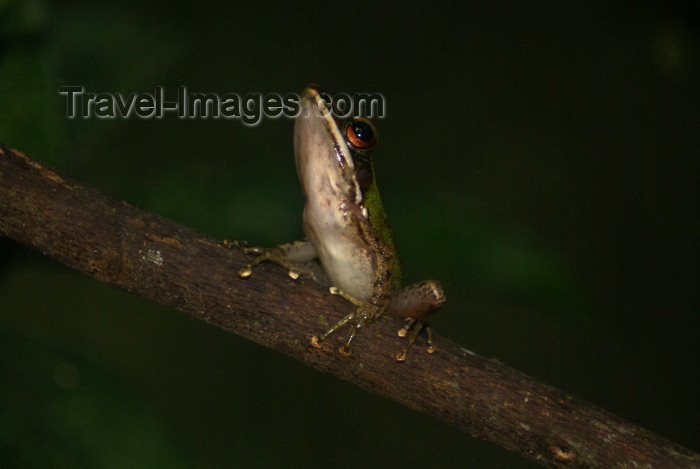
<point>360,133</point>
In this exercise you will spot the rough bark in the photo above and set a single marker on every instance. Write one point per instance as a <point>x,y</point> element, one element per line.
<point>158,259</point>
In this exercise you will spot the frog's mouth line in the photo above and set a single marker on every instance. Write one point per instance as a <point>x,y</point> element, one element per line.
<point>345,161</point>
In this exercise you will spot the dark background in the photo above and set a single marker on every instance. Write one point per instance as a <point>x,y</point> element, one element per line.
<point>540,160</point>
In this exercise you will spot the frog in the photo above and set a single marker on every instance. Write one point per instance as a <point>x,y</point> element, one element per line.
<point>346,227</point>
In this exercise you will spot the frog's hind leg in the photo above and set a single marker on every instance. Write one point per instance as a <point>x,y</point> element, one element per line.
<point>411,330</point>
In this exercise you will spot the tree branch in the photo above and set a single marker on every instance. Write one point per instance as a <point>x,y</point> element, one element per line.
<point>158,259</point>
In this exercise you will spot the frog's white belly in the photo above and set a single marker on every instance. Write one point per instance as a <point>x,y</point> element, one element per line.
<point>344,258</point>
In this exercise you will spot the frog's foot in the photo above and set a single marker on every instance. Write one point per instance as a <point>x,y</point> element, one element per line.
<point>411,330</point>
<point>262,255</point>
<point>290,256</point>
<point>365,313</point>
<point>235,244</point>
<point>413,303</point>
<point>345,349</point>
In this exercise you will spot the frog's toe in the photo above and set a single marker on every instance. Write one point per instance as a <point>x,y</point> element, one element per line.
<point>245,272</point>
<point>403,332</point>
<point>293,274</point>
<point>316,341</point>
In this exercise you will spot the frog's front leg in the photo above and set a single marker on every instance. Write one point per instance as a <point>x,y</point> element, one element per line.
<point>413,303</point>
<point>345,349</point>
<point>292,256</point>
